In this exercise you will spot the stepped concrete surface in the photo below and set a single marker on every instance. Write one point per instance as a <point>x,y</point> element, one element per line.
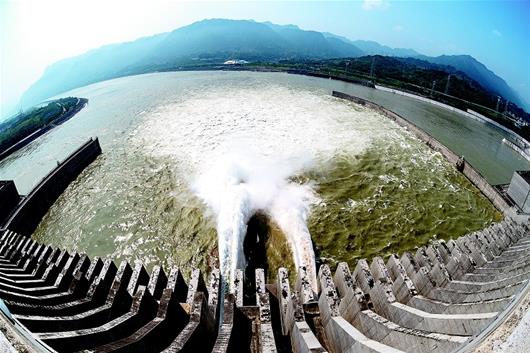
<point>443,298</point>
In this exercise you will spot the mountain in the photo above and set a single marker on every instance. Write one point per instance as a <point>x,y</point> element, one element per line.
<point>373,48</point>
<point>301,40</point>
<point>479,72</point>
<point>217,39</point>
<point>369,47</point>
<point>464,63</point>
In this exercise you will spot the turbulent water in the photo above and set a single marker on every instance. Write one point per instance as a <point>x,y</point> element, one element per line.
<point>241,185</point>
<point>244,142</point>
<point>190,157</point>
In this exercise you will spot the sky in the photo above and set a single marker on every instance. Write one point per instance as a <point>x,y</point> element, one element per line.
<point>36,33</point>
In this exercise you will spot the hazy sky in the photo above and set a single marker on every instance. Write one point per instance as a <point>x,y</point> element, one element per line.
<point>36,33</point>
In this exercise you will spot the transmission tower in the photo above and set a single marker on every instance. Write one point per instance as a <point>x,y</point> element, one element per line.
<point>372,68</point>
<point>432,88</point>
<point>447,84</point>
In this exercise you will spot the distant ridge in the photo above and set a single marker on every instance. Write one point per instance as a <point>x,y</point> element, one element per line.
<point>464,63</point>
<point>480,73</point>
<point>373,48</point>
<point>218,40</point>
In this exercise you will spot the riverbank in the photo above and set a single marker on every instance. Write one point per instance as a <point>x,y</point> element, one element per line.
<point>371,82</point>
<point>39,122</point>
<point>460,164</point>
<point>469,115</point>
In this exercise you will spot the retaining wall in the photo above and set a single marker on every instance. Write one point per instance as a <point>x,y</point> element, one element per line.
<point>469,114</point>
<point>464,167</point>
<point>29,212</point>
<point>9,198</point>
<point>516,148</point>
<point>26,140</point>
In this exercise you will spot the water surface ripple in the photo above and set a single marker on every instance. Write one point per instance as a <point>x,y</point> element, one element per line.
<point>357,182</point>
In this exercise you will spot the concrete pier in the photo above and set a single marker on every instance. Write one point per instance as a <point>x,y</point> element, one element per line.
<point>439,299</point>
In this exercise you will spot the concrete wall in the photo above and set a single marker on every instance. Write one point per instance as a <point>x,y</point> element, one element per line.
<point>516,148</point>
<point>26,217</point>
<point>518,191</point>
<point>469,114</point>
<point>464,167</point>
<point>8,198</point>
<point>26,140</point>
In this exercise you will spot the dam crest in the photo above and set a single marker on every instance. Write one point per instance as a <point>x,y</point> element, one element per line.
<point>440,299</point>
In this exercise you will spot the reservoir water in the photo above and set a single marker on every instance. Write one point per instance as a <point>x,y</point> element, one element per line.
<point>189,157</point>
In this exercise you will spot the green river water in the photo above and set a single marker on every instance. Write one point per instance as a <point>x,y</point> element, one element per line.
<point>374,189</point>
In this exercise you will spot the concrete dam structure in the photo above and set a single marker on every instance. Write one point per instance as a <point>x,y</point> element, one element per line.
<point>25,216</point>
<point>438,299</point>
<point>447,296</point>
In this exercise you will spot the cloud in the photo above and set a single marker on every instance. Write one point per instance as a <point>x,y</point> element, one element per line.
<point>398,28</point>
<point>496,33</point>
<point>375,5</point>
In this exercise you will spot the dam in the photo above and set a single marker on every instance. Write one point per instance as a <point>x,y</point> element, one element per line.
<point>440,297</point>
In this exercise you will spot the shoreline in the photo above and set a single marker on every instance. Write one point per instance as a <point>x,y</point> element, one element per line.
<point>81,103</point>
<point>459,163</point>
<point>371,84</point>
<point>476,117</point>
<point>346,79</point>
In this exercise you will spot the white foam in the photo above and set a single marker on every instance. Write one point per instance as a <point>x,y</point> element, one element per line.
<point>239,185</point>
<point>237,146</point>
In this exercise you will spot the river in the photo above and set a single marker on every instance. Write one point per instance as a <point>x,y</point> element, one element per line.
<point>189,155</point>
